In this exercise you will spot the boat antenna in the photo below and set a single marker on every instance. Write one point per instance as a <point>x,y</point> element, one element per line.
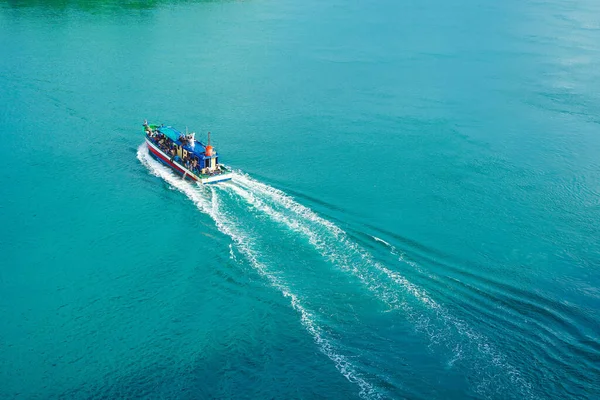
<point>209,138</point>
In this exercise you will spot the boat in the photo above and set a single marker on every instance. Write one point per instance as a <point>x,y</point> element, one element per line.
<point>184,154</point>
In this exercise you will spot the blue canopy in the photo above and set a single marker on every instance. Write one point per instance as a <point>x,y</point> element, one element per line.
<point>196,147</point>
<point>170,132</point>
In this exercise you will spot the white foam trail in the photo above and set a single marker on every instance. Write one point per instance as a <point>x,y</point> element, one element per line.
<point>325,249</point>
<point>249,189</point>
<point>242,244</point>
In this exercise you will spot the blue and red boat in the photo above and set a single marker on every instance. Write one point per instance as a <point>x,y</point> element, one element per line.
<point>184,154</point>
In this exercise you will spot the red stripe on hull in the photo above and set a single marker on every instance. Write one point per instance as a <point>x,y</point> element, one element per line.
<point>165,159</point>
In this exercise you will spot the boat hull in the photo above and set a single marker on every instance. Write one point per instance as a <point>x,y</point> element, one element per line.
<point>157,153</point>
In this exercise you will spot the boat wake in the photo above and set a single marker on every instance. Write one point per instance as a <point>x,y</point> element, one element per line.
<point>335,245</point>
<point>243,244</point>
<point>491,374</point>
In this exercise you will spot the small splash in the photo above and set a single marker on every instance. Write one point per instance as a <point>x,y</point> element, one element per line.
<point>382,241</point>
<point>231,253</point>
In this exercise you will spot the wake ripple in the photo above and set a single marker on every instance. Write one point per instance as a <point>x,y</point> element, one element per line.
<point>243,246</point>
<point>334,245</point>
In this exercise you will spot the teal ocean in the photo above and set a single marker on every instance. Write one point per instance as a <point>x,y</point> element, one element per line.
<point>414,214</point>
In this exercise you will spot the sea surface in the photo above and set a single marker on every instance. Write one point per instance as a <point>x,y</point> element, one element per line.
<point>415,212</point>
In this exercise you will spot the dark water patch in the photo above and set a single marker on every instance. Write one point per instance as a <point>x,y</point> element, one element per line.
<point>524,302</point>
<point>498,312</point>
<point>557,336</point>
<point>444,263</point>
<point>101,6</point>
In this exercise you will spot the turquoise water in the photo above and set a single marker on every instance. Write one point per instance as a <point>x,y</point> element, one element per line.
<point>414,213</point>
